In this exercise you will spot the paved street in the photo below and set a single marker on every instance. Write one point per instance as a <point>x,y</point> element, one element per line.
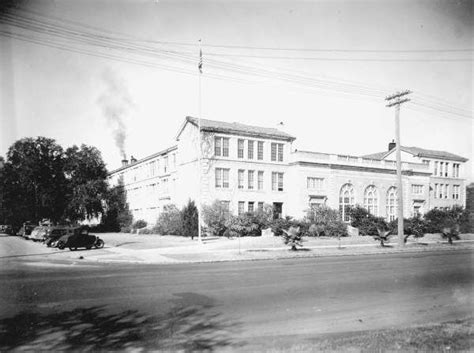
<point>232,305</point>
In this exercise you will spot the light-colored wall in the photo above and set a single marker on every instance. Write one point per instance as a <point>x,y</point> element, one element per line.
<point>147,201</point>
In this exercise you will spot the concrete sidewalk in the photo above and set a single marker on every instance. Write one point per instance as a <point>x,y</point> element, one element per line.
<point>150,249</point>
<point>196,252</point>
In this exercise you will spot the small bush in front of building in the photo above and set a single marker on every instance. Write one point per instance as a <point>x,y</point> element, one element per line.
<point>367,223</point>
<point>169,221</point>
<point>139,224</point>
<point>216,216</point>
<point>438,219</point>
<point>324,221</point>
<point>415,226</point>
<point>280,224</point>
<point>189,220</point>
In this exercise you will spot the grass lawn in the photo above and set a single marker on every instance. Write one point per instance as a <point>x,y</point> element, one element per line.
<point>451,336</point>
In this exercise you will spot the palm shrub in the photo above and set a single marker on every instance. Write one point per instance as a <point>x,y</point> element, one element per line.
<point>169,221</point>
<point>189,220</point>
<point>324,221</point>
<point>293,237</point>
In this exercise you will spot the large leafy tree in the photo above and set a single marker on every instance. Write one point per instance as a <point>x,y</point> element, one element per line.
<point>117,215</point>
<point>42,181</point>
<point>33,181</point>
<point>86,186</point>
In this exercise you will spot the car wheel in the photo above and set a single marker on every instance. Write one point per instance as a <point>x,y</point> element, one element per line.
<point>88,247</point>
<point>61,245</point>
<point>99,244</point>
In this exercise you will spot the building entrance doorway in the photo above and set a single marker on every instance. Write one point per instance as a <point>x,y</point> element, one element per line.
<point>277,210</point>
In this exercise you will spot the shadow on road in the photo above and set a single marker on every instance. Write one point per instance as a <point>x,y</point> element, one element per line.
<point>184,328</point>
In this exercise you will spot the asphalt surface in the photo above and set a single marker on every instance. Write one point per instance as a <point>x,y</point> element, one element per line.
<point>230,305</point>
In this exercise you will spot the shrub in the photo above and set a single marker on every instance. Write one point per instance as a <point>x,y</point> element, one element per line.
<point>293,237</point>
<point>280,224</point>
<point>415,226</point>
<point>139,224</point>
<point>323,221</point>
<point>189,220</point>
<point>169,221</point>
<point>215,216</point>
<point>438,219</point>
<point>367,223</point>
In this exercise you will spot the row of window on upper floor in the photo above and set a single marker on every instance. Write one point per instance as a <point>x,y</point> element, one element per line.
<point>441,191</point>
<point>442,169</point>
<point>222,176</point>
<point>149,169</point>
<point>255,149</point>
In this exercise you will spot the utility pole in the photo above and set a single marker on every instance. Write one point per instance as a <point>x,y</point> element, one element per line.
<point>199,146</point>
<point>395,100</point>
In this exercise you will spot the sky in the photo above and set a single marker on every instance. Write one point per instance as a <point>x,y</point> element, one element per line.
<point>322,68</point>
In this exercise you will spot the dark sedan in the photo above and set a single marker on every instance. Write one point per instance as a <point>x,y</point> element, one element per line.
<point>80,239</point>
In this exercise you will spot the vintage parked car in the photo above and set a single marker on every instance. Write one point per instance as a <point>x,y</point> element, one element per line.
<point>6,229</point>
<point>53,236</point>
<point>38,233</point>
<point>26,229</point>
<point>80,239</point>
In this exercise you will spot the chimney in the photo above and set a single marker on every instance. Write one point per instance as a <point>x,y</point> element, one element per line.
<point>392,145</point>
<point>124,162</point>
<point>132,159</point>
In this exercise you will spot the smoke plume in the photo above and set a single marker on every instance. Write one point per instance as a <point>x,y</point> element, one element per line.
<point>116,103</point>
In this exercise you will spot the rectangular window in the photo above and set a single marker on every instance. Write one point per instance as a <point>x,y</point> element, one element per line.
<point>166,164</point>
<point>174,161</point>
<point>225,147</point>
<point>446,167</point>
<point>240,148</point>
<point>277,181</point>
<point>217,146</point>
<point>280,152</point>
<point>240,177</point>
<point>226,205</point>
<point>260,206</point>
<point>250,179</point>
<point>274,152</point>
<point>441,187</point>
<point>456,192</point>
<point>436,191</point>
<point>314,183</point>
<point>441,167</point>
<point>251,206</point>
<point>222,178</point>
<point>241,208</point>
<point>417,189</point>
<point>225,178</point>
<point>446,191</point>
<point>456,170</point>
<point>152,168</point>
<point>260,180</point>
<point>260,150</point>
<point>435,168</point>
<point>426,161</point>
<point>250,149</point>
<point>218,175</point>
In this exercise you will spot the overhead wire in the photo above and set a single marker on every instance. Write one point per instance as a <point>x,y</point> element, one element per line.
<point>126,43</point>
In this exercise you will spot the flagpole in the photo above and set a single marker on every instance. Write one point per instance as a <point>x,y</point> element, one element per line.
<point>199,145</point>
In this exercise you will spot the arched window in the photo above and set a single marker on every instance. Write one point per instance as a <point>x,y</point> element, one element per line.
<point>346,200</point>
<point>371,201</point>
<point>392,196</point>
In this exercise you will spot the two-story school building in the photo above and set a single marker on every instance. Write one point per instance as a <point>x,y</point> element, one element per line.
<point>245,167</point>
